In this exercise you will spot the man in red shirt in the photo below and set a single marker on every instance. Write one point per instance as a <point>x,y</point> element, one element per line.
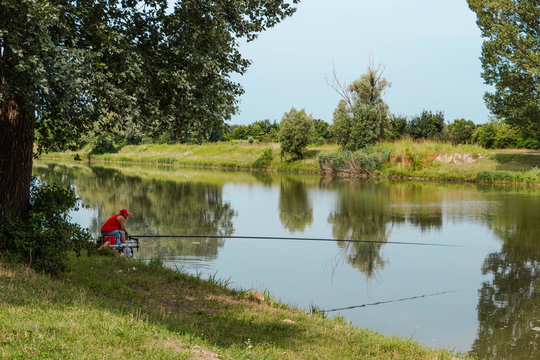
<point>116,226</point>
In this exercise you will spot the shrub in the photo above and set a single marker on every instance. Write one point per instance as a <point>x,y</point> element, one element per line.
<point>461,131</point>
<point>398,127</point>
<point>528,143</point>
<point>103,144</point>
<point>426,126</point>
<point>360,162</point>
<point>264,160</point>
<point>322,130</point>
<point>296,131</point>
<point>496,135</point>
<point>44,239</point>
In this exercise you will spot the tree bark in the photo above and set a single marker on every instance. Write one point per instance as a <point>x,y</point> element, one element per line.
<point>16,152</point>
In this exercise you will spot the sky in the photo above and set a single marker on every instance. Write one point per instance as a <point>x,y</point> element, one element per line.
<point>430,50</point>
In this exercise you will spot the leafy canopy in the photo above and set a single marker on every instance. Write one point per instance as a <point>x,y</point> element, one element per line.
<point>296,132</point>
<point>511,59</point>
<point>78,63</point>
<point>361,116</point>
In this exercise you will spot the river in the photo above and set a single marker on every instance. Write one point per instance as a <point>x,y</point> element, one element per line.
<point>452,266</point>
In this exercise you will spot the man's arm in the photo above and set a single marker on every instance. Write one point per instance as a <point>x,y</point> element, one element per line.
<point>122,222</point>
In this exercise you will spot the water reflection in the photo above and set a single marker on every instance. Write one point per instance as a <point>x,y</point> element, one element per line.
<point>509,304</point>
<point>361,213</point>
<point>295,210</point>
<point>506,296</point>
<point>163,207</point>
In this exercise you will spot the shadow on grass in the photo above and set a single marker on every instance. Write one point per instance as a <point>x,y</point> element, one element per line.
<point>517,162</point>
<point>183,304</point>
<point>309,154</point>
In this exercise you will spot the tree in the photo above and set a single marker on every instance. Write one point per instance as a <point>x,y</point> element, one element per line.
<point>361,116</point>
<point>66,65</point>
<point>460,131</point>
<point>511,59</point>
<point>322,130</point>
<point>496,135</point>
<point>296,131</point>
<point>398,127</point>
<point>427,126</point>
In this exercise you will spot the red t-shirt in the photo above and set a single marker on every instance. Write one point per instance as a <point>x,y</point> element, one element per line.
<point>111,224</point>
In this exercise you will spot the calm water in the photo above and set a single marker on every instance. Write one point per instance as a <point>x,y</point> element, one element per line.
<point>479,294</point>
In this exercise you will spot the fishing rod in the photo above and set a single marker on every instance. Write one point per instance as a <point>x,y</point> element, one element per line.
<point>293,239</point>
<point>388,301</point>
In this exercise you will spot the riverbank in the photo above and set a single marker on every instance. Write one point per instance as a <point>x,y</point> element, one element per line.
<point>117,308</point>
<point>426,160</point>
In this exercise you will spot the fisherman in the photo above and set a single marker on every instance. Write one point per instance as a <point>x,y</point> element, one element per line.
<point>116,226</point>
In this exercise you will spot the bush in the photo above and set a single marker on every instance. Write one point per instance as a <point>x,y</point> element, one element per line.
<point>103,144</point>
<point>45,238</point>
<point>496,135</point>
<point>362,162</point>
<point>264,160</point>
<point>398,127</point>
<point>461,131</point>
<point>528,143</point>
<point>426,126</point>
<point>296,131</point>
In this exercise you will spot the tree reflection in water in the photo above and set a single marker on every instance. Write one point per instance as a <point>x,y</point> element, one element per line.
<point>158,206</point>
<point>295,209</point>
<point>509,304</point>
<point>361,214</point>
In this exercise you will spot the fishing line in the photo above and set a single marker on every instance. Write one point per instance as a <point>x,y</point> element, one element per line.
<point>293,239</point>
<point>389,301</point>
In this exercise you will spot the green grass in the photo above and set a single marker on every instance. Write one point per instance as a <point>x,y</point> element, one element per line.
<point>463,162</point>
<point>109,307</point>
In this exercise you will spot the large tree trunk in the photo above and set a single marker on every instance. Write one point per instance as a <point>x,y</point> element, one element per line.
<point>16,152</point>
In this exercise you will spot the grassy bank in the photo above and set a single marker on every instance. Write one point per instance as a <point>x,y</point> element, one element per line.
<point>429,160</point>
<point>109,307</point>
<point>222,155</point>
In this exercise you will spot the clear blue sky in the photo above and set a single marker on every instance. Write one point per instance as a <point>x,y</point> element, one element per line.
<point>430,49</point>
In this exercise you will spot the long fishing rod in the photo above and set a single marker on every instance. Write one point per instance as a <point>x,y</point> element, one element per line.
<point>293,239</point>
<point>389,301</point>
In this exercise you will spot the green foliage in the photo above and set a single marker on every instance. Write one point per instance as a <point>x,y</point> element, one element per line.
<point>44,239</point>
<point>103,144</point>
<point>529,143</point>
<point>168,70</point>
<point>69,67</point>
<point>264,160</point>
<point>427,126</point>
<point>499,176</point>
<point>167,138</point>
<point>262,131</point>
<point>296,131</point>
<point>360,128</point>
<point>361,117</point>
<point>496,135</point>
<point>322,130</point>
<point>511,60</point>
<point>360,162</point>
<point>460,131</point>
<point>398,127</point>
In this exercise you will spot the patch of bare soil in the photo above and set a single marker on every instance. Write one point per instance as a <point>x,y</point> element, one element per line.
<point>457,158</point>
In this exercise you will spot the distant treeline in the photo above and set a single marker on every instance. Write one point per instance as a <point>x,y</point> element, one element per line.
<point>427,125</point>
